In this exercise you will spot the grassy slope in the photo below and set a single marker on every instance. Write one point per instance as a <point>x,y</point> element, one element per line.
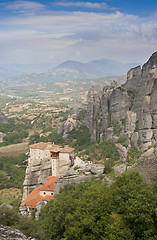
<point>14,149</point>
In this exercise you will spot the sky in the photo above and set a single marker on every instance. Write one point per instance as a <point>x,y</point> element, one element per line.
<point>39,32</point>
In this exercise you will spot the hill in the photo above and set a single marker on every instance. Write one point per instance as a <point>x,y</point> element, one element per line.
<point>68,70</point>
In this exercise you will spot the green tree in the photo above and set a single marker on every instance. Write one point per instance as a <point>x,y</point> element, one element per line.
<point>81,212</point>
<point>34,138</point>
<point>96,210</point>
<point>137,202</point>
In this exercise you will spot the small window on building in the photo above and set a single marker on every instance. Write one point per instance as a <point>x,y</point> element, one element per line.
<point>52,193</point>
<point>44,193</point>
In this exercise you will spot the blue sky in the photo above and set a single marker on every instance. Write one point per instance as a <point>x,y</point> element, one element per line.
<point>33,32</point>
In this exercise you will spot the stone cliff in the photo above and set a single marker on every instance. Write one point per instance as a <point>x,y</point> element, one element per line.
<point>128,111</point>
<point>8,233</point>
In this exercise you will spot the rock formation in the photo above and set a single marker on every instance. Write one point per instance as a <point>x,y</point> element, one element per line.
<point>85,172</point>
<point>129,110</point>
<point>67,126</point>
<point>147,168</point>
<point>8,233</point>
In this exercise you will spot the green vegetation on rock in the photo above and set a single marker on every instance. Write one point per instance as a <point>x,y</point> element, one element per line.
<point>79,138</point>
<point>133,154</point>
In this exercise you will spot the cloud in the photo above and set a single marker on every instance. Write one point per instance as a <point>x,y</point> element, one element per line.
<point>89,5</point>
<point>21,6</point>
<point>82,36</point>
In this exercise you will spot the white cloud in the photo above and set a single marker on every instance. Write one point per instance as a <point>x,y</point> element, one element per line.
<point>21,5</point>
<point>82,4</point>
<point>82,36</point>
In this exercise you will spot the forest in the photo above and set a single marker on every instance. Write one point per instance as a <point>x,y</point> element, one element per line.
<point>95,210</point>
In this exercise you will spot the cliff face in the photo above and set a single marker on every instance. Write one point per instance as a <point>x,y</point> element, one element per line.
<point>130,109</point>
<point>36,172</point>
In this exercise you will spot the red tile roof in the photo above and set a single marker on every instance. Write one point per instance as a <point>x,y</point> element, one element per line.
<point>44,146</point>
<point>67,150</point>
<point>52,147</point>
<point>34,197</point>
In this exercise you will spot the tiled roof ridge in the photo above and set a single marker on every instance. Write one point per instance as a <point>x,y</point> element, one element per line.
<point>34,197</point>
<point>43,145</point>
<point>51,146</point>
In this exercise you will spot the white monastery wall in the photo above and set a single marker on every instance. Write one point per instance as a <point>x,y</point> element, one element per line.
<point>55,167</point>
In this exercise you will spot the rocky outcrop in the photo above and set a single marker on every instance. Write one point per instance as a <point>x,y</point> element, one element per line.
<point>36,173</point>
<point>147,168</point>
<point>67,126</point>
<point>3,118</point>
<point>84,173</point>
<point>8,233</point>
<point>130,110</point>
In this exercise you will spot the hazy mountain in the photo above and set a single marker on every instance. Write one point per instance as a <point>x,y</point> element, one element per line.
<point>69,70</point>
<point>12,70</point>
<point>96,68</point>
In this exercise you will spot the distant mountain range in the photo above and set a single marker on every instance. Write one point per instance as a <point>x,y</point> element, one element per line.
<point>69,70</point>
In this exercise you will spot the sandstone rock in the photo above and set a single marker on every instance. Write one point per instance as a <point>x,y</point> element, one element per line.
<point>135,139</point>
<point>134,72</point>
<point>6,205</point>
<point>121,168</point>
<point>145,137</point>
<point>60,128</point>
<point>24,210</point>
<point>67,126</point>
<point>78,162</point>
<point>147,168</point>
<point>150,67</point>
<point>109,133</point>
<point>148,153</point>
<point>131,107</point>
<point>65,136</point>
<point>93,109</point>
<point>130,121</point>
<point>62,182</point>
<point>122,151</point>
<point>115,139</point>
<point>8,233</point>
<point>97,169</point>
<point>70,172</point>
<point>82,174</point>
<point>120,103</point>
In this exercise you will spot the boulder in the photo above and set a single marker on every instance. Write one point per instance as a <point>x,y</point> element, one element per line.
<point>122,151</point>
<point>97,169</point>
<point>121,168</point>
<point>8,233</point>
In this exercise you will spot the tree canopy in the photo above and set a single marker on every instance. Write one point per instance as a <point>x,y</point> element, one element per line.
<point>95,210</point>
